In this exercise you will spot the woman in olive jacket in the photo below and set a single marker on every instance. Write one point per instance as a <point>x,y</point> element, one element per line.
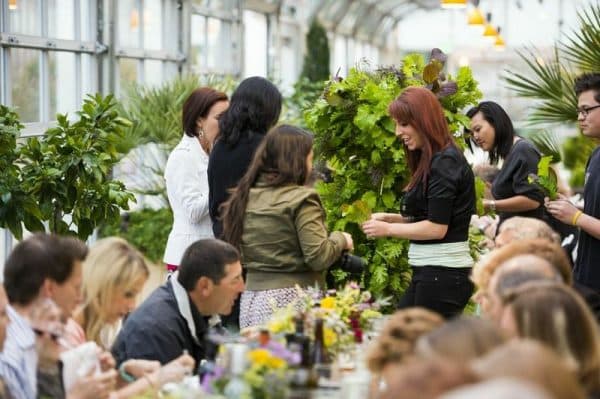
<point>278,223</point>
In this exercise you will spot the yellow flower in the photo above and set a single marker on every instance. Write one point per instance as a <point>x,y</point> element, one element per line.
<point>259,356</point>
<point>275,362</point>
<point>329,336</point>
<point>328,303</point>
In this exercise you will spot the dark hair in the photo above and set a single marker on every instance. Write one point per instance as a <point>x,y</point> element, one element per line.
<point>254,108</point>
<point>198,105</point>
<point>205,258</point>
<point>40,257</point>
<point>420,108</point>
<point>281,160</point>
<point>588,81</point>
<point>496,116</point>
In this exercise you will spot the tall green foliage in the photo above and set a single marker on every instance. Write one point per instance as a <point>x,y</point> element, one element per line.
<point>316,59</point>
<point>355,135</point>
<point>315,72</point>
<point>64,178</point>
<point>550,83</point>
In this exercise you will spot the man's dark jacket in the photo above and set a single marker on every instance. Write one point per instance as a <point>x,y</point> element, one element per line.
<point>158,331</point>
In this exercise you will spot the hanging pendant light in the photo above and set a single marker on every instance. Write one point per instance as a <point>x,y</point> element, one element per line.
<point>499,43</point>
<point>489,30</point>
<point>454,4</point>
<point>475,17</point>
<point>12,4</point>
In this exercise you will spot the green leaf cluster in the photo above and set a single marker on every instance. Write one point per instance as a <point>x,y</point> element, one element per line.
<point>64,178</point>
<point>546,178</point>
<point>354,138</point>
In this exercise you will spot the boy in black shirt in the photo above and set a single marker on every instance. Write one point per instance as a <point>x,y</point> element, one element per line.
<point>587,265</point>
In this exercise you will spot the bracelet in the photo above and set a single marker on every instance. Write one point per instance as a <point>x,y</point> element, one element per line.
<point>493,205</point>
<point>576,218</point>
<point>124,374</point>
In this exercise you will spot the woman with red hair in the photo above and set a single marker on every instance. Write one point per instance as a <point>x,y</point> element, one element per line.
<point>436,209</point>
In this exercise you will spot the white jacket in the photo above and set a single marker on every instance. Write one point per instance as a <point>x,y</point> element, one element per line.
<point>187,188</point>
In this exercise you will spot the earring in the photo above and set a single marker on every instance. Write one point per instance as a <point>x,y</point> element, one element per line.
<point>200,132</point>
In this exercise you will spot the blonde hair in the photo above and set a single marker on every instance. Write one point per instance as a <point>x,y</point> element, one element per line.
<point>112,263</point>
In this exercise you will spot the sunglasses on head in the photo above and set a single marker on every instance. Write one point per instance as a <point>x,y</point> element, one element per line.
<point>54,335</point>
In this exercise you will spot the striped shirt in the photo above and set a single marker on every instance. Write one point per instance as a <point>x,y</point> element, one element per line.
<point>18,361</point>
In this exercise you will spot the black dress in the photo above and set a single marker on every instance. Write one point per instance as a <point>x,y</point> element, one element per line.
<point>512,180</point>
<point>448,199</point>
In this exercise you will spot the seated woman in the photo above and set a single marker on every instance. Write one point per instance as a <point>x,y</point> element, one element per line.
<point>278,224</point>
<point>114,273</point>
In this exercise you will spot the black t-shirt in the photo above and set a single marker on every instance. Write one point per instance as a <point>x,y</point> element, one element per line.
<point>587,266</point>
<point>513,178</point>
<point>226,166</point>
<point>449,198</point>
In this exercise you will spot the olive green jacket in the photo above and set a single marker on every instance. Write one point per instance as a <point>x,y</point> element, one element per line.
<point>285,241</point>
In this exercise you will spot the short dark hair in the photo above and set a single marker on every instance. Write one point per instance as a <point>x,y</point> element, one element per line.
<point>198,105</point>
<point>205,258</point>
<point>254,108</point>
<point>588,81</point>
<point>37,258</point>
<point>496,116</point>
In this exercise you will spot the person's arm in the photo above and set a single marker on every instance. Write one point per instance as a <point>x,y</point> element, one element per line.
<point>423,230</point>
<point>174,371</point>
<point>390,217</point>
<point>320,250</point>
<point>518,203</point>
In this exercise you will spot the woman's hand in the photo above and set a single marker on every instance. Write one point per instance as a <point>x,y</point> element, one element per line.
<point>139,367</point>
<point>562,209</point>
<point>349,242</point>
<point>175,370</point>
<point>107,361</point>
<point>375,228</point>
<point>96,386</point>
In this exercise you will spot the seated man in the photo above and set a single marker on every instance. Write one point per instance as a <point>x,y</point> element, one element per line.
<point>41,267</point>
<point>175,316</point>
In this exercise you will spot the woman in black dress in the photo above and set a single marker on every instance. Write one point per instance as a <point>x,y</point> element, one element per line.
<point>436,209</point>
<point>492,131</point>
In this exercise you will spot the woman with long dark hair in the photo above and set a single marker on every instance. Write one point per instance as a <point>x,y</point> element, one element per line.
<point>493,131</point>
<point>436,209</point>
<point>278,223</point>
<point>255,107</point>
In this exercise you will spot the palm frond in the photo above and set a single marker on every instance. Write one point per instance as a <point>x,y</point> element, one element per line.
<point>549,82</point>
<point>548,143</point>
<point>582,47</point>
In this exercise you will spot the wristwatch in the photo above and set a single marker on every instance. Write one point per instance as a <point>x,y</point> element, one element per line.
<point>492,205</point>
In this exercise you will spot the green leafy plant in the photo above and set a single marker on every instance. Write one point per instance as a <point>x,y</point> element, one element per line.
<point>354,136</point>
<point>16,206</point>
<point>64,178</point>
<point>546,178</point>
<point>147,229</point>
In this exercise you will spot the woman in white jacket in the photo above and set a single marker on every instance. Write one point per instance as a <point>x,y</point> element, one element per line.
<point>185,173</point>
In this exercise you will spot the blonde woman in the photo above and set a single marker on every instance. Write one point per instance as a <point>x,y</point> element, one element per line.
<point>114,273</point>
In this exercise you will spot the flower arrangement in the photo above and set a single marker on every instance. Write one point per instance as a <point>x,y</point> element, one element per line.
<point>266,375</point>
<point>346,313</point>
